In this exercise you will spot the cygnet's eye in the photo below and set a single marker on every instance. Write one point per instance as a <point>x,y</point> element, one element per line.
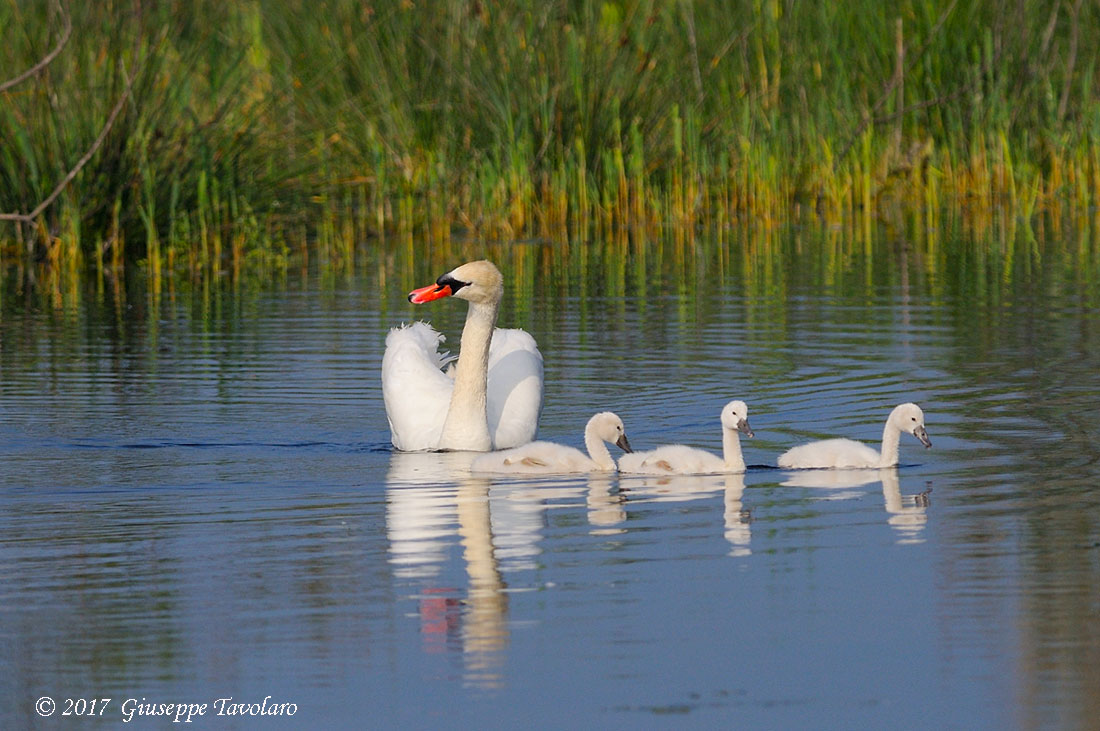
<point>913,418</point>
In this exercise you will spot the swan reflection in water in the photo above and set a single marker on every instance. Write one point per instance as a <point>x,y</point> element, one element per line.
<point>906,514</point>
<point>429,498</point>
<point>681,488</point>
<point>422,510</point>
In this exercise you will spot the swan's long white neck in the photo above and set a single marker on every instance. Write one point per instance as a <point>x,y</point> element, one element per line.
<point>467,424</point>
<point>597,449</point>
<point>888,457</point>
<point>731,450</point>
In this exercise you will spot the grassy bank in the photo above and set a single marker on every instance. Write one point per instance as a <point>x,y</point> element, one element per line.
<point>228,136</point>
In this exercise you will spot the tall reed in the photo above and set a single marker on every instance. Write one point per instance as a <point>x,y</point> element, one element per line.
<point>253,129</point>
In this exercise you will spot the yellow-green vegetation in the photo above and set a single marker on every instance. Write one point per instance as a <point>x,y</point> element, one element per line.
<point>206,137</point>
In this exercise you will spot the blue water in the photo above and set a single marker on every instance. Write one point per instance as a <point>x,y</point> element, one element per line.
<point>199,501</point>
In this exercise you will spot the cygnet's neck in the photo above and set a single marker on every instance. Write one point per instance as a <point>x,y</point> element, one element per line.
<point>597,449</point>
<point>731,450</point>
<point>888,457</point>
<point>467,424</point>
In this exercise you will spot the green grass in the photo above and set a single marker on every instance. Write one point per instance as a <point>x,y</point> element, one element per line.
<point>255,130</point>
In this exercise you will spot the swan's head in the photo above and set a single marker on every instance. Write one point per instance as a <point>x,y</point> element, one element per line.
<point>735,416</point>
<point>476,281</point>
<point>609,427</point>
<point>909,418</point>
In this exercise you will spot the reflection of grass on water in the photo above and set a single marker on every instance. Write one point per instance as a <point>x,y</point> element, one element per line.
<point>253,133</point>
<point>667,278</point>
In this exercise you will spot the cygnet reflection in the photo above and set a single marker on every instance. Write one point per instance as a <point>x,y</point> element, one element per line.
<point>682,488</point>
<point>906,514</point>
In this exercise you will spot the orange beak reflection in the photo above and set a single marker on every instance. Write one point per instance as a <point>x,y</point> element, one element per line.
<point>429,293</point>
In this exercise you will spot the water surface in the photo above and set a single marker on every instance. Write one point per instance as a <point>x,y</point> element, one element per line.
<point>199,498</point>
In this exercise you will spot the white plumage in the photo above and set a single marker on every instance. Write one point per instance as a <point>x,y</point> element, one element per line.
<point>678,459</point>
<point>489,397</point>
<point>548,458</point>
<point>849,454</point>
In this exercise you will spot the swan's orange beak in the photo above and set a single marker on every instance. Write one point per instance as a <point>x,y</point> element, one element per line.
<point>429,293</point>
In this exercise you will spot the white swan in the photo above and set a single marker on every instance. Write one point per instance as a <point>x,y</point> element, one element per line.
<point>677,459</point>
<point>547,458</point>
<point>848,454</point>
<point>492,396</point>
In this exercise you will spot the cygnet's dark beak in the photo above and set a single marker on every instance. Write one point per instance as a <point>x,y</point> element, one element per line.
<point>744,428</point>
<point>623,443</point>
<point>922,435</point>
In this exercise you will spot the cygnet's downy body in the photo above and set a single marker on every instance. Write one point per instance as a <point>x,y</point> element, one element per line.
<point>679,459</point>
<point>547,458</point>
<point>848,454</point>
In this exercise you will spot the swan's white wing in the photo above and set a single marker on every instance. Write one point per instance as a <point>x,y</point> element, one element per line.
<point>514,398</point>
<point>416,392</point>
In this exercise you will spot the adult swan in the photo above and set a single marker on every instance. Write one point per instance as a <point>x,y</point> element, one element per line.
<point>489,399</point>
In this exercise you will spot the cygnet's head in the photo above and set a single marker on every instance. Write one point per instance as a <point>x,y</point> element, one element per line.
<point>909,418</point>
<point>609,427</point>
<point>475,281</point>
<point>735,415</point>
